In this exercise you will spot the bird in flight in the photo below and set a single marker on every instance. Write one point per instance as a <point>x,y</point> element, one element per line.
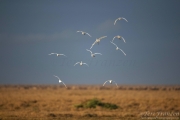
<point>97,41</point>
<point>84,33</point>
<point>57,54</point>
<point>117,48</point>
<point>119,37</point>
<point>120,18</point>
<point>60,81</point>
<point>110,81</point>
<point>93,55</point>
<point>81,63</point>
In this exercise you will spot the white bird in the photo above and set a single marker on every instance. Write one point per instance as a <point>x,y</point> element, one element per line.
<point>84,33</point>
<point>97,41</point>
<point>117,48</point>
<point>93,55</point>
<point>60,80</point>
<point>57,54</point>
<point>120,18</point>
<point>110,81</point>
<point>81,63</point>
<point>119,37</point>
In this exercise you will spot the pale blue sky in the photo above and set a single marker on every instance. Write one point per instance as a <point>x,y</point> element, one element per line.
<point>30,30</point>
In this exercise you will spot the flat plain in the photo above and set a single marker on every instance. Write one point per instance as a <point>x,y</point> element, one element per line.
<point>56,102</point>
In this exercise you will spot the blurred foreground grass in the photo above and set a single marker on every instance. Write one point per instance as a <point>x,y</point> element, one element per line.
<point>85,102</point>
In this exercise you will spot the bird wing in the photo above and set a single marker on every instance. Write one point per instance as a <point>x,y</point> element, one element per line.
<point>98,53</point>
<point>88,34</point>
<point>105,82</point>
<point>56,77</point>
<point>125,19</point>
<point>86,64</point>
<point>93,44</point>
<point>115,21</point>
<point>123,39</point>
<point>114,38</point>
<point>102,37</point>
<point>64,84</point>
<point>62,54</point>
<point>89,51</point>
<point>122,51</point>
<point>76,63</point>
<point>79,31</point>
<point>115,83</point>
<point>52,53</point>
<point>113,43</point>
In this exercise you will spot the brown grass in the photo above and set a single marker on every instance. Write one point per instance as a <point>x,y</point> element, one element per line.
<point>57,102</point>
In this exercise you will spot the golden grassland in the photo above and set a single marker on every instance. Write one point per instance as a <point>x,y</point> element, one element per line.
<point>57,102</point>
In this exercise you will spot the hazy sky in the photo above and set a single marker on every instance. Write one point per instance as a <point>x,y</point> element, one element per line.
<point>31,29</point>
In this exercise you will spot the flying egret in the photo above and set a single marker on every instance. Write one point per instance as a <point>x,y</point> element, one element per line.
<point>93,55</point>
<point>97,41</point>
<point>119,37</point>
<point>117,48</point>
<point>57,54</point>
<point>81,63</point>
<point>84,33</point>
<point>60,80</point>
<point>120,18</point>
<point>110,81</point>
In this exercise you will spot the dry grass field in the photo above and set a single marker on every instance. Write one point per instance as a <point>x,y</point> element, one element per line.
<point>56,102</point>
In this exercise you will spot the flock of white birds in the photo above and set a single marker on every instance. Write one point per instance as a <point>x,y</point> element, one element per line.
<point>97,41</point>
